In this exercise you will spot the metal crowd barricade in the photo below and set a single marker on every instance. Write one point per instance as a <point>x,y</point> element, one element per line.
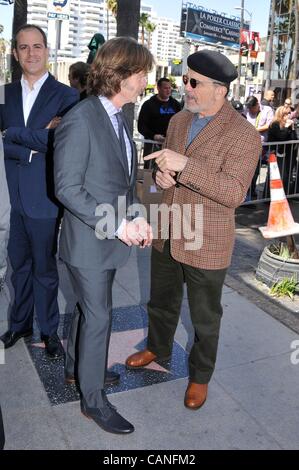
<point>287,153</point>
<point>288,163</point>
<point>152,146</point>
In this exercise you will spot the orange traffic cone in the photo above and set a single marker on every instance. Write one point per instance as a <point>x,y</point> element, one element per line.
<point>280,219</point>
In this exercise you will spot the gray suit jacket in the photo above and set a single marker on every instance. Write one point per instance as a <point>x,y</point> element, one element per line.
<point>4,214</point>
<point>90,170</point>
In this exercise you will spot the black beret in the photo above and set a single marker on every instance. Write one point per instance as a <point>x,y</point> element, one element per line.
<point>213,64</point>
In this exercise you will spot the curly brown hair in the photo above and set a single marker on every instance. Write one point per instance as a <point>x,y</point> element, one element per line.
<point>116,60</point>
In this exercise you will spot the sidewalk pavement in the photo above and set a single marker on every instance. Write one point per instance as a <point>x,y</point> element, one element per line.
<point>253,396</point>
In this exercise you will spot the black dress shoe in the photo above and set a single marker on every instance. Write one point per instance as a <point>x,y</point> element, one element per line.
<point>53,347</point>
<point>111,378</point>
<point>11,337</point>
<point>107,418</point>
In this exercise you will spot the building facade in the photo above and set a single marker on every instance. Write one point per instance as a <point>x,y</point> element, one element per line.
<point>281,64</point>
<point>88,17</point>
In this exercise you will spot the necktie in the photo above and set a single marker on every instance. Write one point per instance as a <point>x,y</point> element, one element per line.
<point>121,137</point>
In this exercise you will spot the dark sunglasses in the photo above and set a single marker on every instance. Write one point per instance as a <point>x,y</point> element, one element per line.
<point>194,82</point>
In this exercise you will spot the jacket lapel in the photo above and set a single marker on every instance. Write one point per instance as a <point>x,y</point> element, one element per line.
<point>134,154</point>
<point>43,95</point>
<point>17,101</point>
<point>112,137</point>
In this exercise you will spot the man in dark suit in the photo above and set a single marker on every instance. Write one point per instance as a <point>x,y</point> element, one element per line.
<point>4,231</point>
<point>32,109</point>
<point>95,173</point>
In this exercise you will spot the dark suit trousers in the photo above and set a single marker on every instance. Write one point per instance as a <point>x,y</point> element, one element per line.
<point>31,250</point>
<point>204,288</point>
<point>2,436</point>
<point>93,288</point>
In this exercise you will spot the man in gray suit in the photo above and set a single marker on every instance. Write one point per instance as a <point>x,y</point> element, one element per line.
<point>4,232</point>
<point>95,172</point>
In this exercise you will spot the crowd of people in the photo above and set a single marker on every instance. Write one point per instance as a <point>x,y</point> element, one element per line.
<point>274,125</point>
<point>69,156</point>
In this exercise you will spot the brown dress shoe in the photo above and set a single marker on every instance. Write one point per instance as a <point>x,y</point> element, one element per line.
<point>196,395</point>
<point>140,359</point>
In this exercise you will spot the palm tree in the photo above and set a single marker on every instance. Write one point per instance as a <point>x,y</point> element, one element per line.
<point>143,22</point>
<point>150,28</point>
<point>128,15</point>
<point>111,5</point>
<point>19,14</point>
<point>19,19</point>
<point>1,28</point>
<point>147,26</point>
<point>269,54</point>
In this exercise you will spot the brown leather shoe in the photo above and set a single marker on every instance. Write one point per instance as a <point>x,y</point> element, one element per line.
<point>196,395</point>
<point>140,359</point>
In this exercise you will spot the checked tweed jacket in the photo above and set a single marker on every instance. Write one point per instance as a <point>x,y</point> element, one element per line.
<point>222,161</point>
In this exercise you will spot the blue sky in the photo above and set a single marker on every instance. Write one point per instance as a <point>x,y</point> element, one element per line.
<point>172,9</point>
<point>259,9</point>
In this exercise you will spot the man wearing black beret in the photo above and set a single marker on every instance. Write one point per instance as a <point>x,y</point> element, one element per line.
<point>205,169</point>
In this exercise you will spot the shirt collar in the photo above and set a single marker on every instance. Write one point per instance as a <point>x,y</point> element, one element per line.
<point>109,106</point>
<point>37,85</point>
<point>197,117</point>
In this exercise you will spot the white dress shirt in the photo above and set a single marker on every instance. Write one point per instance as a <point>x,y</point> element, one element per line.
<point>111,110</point>
<point>29,96</point>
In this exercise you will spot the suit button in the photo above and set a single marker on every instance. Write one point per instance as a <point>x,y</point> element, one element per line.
<point>177,185</point>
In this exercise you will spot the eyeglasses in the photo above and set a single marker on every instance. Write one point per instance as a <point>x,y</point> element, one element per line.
<point>194,82</point>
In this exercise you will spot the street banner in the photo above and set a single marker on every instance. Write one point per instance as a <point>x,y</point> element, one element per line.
<point>244,45</point>
<point>58,10</point>
<point>254,44</point>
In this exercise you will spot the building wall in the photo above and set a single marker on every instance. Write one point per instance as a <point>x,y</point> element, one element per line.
<point>88,17</point>
<point>282,50</point>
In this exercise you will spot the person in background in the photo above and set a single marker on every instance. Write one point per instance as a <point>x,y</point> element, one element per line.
<point>268,99</point>
<point>4,233</point>
<point>96,43</point>
<point>282,129</point>
<point>32,110</point>
<point>238,106</point>
<point>288,104</point>
<point>78,73</point>
<point>155,115</point>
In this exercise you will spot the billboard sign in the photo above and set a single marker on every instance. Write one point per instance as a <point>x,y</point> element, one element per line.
<point>208,26</point>
<point>58,10</point>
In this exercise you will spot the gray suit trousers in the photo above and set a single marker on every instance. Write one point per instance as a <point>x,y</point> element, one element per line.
<point>93,288</point>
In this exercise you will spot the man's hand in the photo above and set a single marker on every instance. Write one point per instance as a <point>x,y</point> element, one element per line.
<point>165,179</point>
<point>145,231</point>
<point>53,123</point>
<point>137,232</point>
<point>168,160</point>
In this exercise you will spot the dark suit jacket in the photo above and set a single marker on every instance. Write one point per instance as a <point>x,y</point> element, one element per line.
<point>90,170</point>
<point>34,180</point>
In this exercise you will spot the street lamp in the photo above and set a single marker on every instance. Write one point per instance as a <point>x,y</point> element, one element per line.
<point>242,9</point>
